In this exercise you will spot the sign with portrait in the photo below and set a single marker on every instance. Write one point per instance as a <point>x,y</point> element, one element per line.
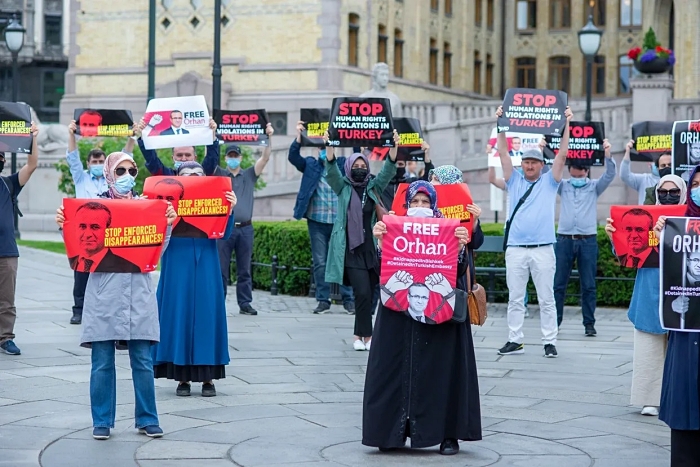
<point>177,121</point>
<point>103,122</point>
<point>518,143</point>
<point>686,147</point>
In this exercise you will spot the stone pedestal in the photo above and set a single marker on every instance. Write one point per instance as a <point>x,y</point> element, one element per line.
<point>651,95</point>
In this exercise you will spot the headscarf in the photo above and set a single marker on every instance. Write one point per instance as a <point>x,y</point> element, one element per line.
<point>693,210</point>
<point>676,180</point>
<point>111,163</point>
<point>354,224</point>
<point>421,186</point>
<point>447,174</point>
<point>189,165</point>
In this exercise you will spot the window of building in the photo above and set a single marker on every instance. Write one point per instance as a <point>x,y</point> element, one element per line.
<point>434,5</point>
<point>489,13</point>
<point>477,12</point>
<point>595,8</point>
<point>382,44</point>
<point>625,71</point>
<point>398,53</point>
<point>631,13</point>
<point>5,18</point>
<point>560,73</point>
<point>278,120</point>
<point>598,83</point>
<point>525,72</point>
<point>489,75</point>
<point>448,7</point>
<point>477,72</point>
<point>447,65</point>
<point>52,29</point>
<point>353,39</point>
<point>433,62</point>
<point>526,15</point>
<point>52,85</point>
<point>560,14</point>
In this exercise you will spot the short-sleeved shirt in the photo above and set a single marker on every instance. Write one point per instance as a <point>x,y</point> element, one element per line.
<point>244,187</point>
<point>8,245</point>
<point>533,224</point>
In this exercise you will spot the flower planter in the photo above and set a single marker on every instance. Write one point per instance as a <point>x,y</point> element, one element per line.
<point>654,67</point>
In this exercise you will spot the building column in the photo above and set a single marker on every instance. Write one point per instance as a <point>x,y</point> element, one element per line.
<point>651,95</point>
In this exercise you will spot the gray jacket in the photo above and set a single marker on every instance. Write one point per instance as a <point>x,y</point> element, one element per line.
<point>121,307</point>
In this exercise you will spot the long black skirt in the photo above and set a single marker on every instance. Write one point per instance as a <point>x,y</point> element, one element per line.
<point>194,373</point>
<point>421,382</point>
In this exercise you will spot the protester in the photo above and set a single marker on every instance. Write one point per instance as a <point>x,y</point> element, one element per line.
<point>640,182</point>
<point>352,252</point>
<point>680,409</point>
<point>529,238</point>
<point>421,378</point>
<point>451,175</point>
<point>241,241</point>
<point>88,183</point>
<point>406,173</point>
<point>577,236</point>
<point>649,337</point>
<point>121,307</point>
<point>317,202</point>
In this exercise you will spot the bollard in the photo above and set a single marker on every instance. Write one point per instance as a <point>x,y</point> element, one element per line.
<point>491,291</point>
<point>273,274</point>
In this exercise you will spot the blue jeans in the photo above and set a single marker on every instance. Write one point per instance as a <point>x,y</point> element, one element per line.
<point>103,384</point>
<point>585,251</point>
<point>241,243</point>
<point>320,235</point>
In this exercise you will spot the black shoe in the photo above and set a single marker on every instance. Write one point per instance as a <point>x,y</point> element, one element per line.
<point>550,351</point>
<point>349,308</point>
<point>322,308</point>
<point>590,330</point>
<point>77,318</point>
<point>208,390</point>
<point>183,389</point>
<point>449,447</point>
<point>511,348</point>
<point>248,310</point>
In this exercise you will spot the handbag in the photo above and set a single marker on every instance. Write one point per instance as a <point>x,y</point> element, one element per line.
<point>476,302</point>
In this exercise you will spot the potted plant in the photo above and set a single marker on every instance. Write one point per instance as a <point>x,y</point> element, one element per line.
<point>651,58</point>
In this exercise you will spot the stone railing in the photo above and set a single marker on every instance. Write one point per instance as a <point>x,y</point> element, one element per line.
<point>684,109</point>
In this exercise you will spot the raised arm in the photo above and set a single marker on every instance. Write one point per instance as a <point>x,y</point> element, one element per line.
<point>213,153</point>
<point>560,159</point>
<point>389,168</point>
<point>428,162</point>
<point>265,158</point>
<point>606,179</point>
<point>495,181</point>
<point>32,159</point>
<point>502,143</point>
<point>632,180</point>
<point>294,156</point>
<point>73,156</point>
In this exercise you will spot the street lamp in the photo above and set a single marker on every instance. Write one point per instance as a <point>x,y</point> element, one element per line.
<point>589,43</point>
<point>216,68</point>
<point>14,40</point>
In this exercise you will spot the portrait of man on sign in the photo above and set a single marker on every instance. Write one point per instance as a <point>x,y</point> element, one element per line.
<point>89,122</point>
<point>636,225</point>
<point>422,301</point>
<point>173,191</point>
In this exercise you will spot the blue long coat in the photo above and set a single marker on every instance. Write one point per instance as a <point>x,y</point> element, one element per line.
<point>680,404</point>
<point>191,304</point>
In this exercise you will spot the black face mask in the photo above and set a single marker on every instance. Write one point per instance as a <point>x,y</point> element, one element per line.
<point>358,175</point>
<point>668,198</point>
<point>665,171</point>
<point>2,165</point>
<point>400,173</point>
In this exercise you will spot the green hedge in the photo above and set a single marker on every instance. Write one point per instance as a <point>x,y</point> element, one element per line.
<point>290,242</point>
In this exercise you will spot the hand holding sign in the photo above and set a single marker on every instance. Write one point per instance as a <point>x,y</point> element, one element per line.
<point>462,234</point>
<point>170,213</point>
<point>379,230</point>
<point>231,198</point>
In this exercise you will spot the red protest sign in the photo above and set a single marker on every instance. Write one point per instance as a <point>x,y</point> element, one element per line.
<point>114,235</point>
<point>635,242</point>
<point>200,203</point>
<point>242,126</point>
<point>419,267</point>
<point>533,111</point>
<point>358,121</point>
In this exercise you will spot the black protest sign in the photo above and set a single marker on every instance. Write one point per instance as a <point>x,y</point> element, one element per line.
<point>410,147</point>
<point>103,122</point>
<point>242,126</point>
<point>539,111</point>
<point>685,146</point>
<point>651,139</point>
<point>315,126</point>
<point>15,128</point>
<point>679,307</point>
<point>358,121</point>
<point>585,144</point>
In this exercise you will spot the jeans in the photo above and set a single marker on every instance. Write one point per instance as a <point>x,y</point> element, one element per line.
<point>241,243</point>
<point>585,251</point>
<point>103,384</point>
<point>8,285</point>
<point>520,264</point>
<point>320,236</point>
<point>80,280</point>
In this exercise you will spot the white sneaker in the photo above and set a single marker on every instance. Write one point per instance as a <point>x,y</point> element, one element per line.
<point>650,410</point>
<point>367,345</point>
<point>359,345</point>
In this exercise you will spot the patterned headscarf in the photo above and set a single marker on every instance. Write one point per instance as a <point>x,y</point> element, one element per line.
<point>421,186</point>
<point>190,165</point>
<point>676,180</point>
<point>354,224</point>
<point>111,163</point>
<point>447,174</point>
<point>693,209</point>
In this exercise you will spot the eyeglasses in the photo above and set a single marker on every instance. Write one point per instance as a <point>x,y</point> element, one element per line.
<point>418,297</point>
<point>121,171</point>
<point>694,261</point>
<point>672,191</point>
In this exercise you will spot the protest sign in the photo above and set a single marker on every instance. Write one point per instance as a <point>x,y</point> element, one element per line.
<point>651,139</point>
<point>15,128</point>
<point>177,121</point>
<point>113,235</point>
<point>361,121</point>
<point>409,130</point>
<point>679,306</point>
<point>585,144</point>
<point>315,126</point>
<point>634,240</point>
<point>533,111</point>
<point>685,147</point>
<point>419,267</point>
<point>242,126</point>
<point>200,203</point>
<point>103,122</point>
<point>518,143</point>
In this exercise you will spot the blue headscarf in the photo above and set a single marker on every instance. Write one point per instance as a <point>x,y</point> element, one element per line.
<point>421,186</point>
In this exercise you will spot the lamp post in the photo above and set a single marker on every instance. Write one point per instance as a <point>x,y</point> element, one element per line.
<point>589,42</point>
<point>216,68</point>
<point>14,40</point>
<point>151,49</point>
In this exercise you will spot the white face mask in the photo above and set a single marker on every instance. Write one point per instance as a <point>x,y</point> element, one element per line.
<point>420,212</point>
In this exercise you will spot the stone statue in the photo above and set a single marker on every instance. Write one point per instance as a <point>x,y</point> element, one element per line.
<point>53,137</point>
<point>380,80</point>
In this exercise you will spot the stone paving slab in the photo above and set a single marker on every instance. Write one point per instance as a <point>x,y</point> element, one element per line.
<point>293,394</point>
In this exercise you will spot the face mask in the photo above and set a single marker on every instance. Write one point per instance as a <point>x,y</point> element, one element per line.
<point>665,171</point>
<point>97,170</point>
<point>322,155</point>
<point>233,163</point>
<point>358,175</point>
<point>655,170</point>
<point>124,184</point>
<point>668,198</point>
<point>177,164</point>
<point>420,212</point>
<point>579,182</point>
<point>695,195</point>
<point>2,165</point>
<point>400,173</point>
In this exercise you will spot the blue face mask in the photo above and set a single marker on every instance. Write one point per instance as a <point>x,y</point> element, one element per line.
<point>695,195</point>
<point>177,164</point>
<point>124,184</point>
<point>233,163</point>
<point>322,155</point>
<point>579,182</point>
<point>655,170</point>
<point>97,170</point>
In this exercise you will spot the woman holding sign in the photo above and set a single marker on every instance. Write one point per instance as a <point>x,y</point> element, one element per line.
<point>421,378</point>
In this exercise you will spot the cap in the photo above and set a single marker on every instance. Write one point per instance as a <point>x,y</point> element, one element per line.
<point>533,154</point>
<point>233,148</point>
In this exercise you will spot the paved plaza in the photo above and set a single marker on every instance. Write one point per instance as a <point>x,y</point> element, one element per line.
<point>293,394</point>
